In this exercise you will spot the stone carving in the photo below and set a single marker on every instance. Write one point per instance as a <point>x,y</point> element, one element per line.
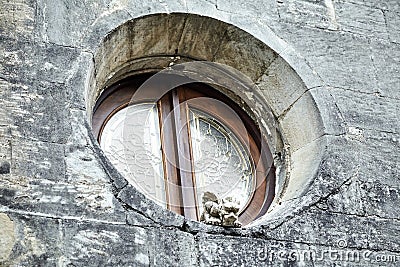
<point>211,209</point>
<point>229,212</point>
<point>222,212</point>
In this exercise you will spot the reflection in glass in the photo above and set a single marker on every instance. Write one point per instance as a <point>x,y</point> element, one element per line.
<point>131,141</point>
<point>222,164</point>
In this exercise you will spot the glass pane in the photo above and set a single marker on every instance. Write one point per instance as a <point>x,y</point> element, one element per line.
<point>131,140</point>
<point>222,164</point>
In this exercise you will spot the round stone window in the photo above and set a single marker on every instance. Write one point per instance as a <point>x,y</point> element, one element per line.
<point>201,117</point>
<point>185,146</point>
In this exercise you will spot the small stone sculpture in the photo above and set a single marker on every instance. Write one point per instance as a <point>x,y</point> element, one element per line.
<point>220,211</point>
<point>229,212</point>
<point>211,210</point>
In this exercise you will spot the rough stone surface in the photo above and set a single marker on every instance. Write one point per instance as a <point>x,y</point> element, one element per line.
<point>119,245</point>
<point>7,236</point>
<point>392,20</point>
<point>386,58</point>
<point>295,118</point>
<point>261,252</point>
<point>18,19</point>
<point>358,232</point>
<point>63,204</point>
<point>361,19</point>
<point>368,111</point>
<point>37,241</point>
<point>283,89</point>
<point>348,65</point>
<point>320,14</point>
<point>4,167</point>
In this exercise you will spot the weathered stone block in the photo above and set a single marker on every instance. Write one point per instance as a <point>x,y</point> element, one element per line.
<point>386,57</point>
<point>18,19</point>
<point>48,179</point>
<point>340,59</point>
<point>329,228</point>
<point>119,245</point>
<point>7,236</point>
<point>281,90</point>
<point>192,42</point>
<point>35,111</point>
<point>38,160</point>
<point>38,111</point>
<point>37,241</point>
<point>368,111</point>
<point>30,62</point>
<point>76,81</point>
<point>103,244</point>
<point>303,114</point>
<point>366,199</point>
<point>372,154</point>
<point>138,202</point>
<point>361,19</point>
<point>312,13</point>
<point>67,23</point>
<point>254,8</point>
<point>240,51</point>
<point>392,21</point>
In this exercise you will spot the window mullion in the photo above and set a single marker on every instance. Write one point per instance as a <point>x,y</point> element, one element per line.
<point>170,158</point>
<point>184,156</point>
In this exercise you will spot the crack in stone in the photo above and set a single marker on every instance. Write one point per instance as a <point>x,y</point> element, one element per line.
<point>283,114</point>
<point>52,216</point>
<point>371,216</point>
<point>386,21</point>
<point>364,3</point>
<point>197,247</point>
<point>344,31</point>
<point>38,140</point>
<point>266,68</point>
<point>337,189</point>
<point>377,94</point>
<point>129,207</point>
<point>310,205</point>
<point>181,35</point>
<point>278,2</point>
<point>262,237</point>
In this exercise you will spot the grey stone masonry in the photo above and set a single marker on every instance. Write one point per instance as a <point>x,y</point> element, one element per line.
<point>63,204</point>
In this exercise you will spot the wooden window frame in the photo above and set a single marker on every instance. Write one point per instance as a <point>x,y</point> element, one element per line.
<point>178,169</point>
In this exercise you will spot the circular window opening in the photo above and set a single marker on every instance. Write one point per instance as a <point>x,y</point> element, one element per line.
<point>189,148</point>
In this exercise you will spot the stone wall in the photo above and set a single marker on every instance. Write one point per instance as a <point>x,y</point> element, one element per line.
<point>59,204</point>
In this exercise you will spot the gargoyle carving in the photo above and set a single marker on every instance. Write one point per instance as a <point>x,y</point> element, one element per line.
<point>220,211</point>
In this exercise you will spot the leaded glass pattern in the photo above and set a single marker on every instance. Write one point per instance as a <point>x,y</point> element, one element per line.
<point>222,165</point>
<point>131,141</point>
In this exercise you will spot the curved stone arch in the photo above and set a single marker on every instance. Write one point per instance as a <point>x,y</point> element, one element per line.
<point>155,41</point>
